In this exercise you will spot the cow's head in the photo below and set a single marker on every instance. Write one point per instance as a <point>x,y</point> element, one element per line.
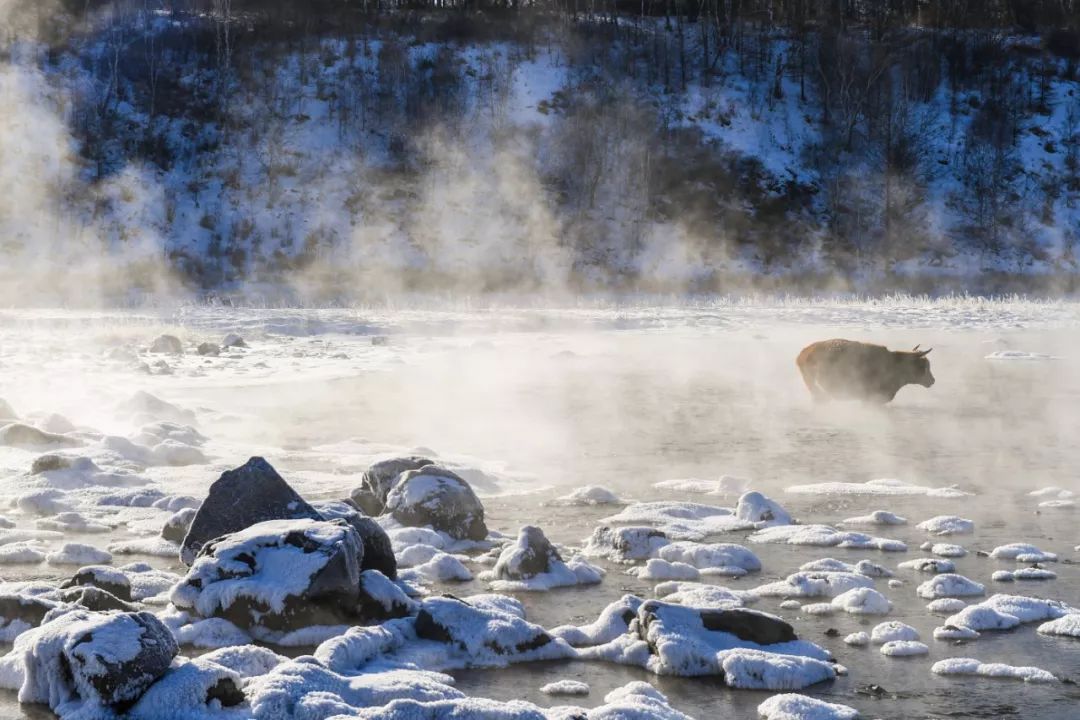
<point>919,367</point>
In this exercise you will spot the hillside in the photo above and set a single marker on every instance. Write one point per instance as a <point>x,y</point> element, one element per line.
<point>336,151</point>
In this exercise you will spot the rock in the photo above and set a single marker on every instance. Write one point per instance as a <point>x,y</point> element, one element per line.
<point>177,526</point>
<point>20,612</point>
<point>382,599</point>
<point>476,629</point>
<point>625,544</point>
<point>104,578</point>
<point>232,340</point>
<point>98,659</point>
<point>437,497</point>
<point>208,349</point>
<point>167,344</point>
<point>378,550</point>
<point>240,498</point>
<point>277,576</point>
<point>96,599</point>
<point>380,340</point>
<point>376,482</point>
<point>29,437</point>
<point>748,625</point>
<point>49,463</point>
<point>532,555</point>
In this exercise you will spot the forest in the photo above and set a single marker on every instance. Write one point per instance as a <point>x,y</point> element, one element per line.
<point>338,147</point>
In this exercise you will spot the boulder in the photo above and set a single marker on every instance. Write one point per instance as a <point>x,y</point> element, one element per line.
<point>434,496</point>
<point>177,526</point>
<point>96,599</point>
<point>382,599</point>
<point>277,576</point>
<point>625,544</point>
<point>28,437</point>
<point>478,628</point>
<point>167,344</point>
<point>378,550</point>
<point>759,509</point>
<point>208,349</point>
<point>94,659</point>
<point>240,498</point>
<point>532,555</point>
<point>20,612</point>
<point>232,340</point>
<point>377,480</point>
<point>102,577</point>
<point>50,463</point>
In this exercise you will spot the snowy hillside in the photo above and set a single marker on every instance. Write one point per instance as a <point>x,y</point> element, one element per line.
<point>220,152</point>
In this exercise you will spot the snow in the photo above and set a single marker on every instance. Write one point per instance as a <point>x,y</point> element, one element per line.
<point>857,639</point>
<point>21,553</point>
<point>1017,355</point>
<point>945,606</point>
<point>1029,573</point>
<point>814,584</point>
<point>655,569</point>
<point>947,525</point>
<point>442,567</point>
<point>949,585</point>
<point>565,687</point>
<point>1004,612</point>
<point>824,536</point>
<point>700,595</point>
<point>1022,552</point>
<point>877,487</point>
<point>1064,626</point>
<point>947,550</point>
<point>904,648</point>
<point>612,623</point>
<point>878,517</point>
<point>862,601</point>
<point>78,554</point>
<point>790,706</point>
<point>726,485</point>
<point>211,633</point>
<point>755,508</point>
<point>681,520</point>
<point>624,544</point>
<point>893,631</point>
<point>588,495</point>
<point>712,558</point>
<point>970,666</point>
<point>932,565</point>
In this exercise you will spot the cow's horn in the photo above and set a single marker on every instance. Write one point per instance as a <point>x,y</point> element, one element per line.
<point>924,353</point>
<point>916,348</point>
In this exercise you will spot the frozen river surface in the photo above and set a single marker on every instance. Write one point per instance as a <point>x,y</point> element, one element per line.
<point>541,402</point>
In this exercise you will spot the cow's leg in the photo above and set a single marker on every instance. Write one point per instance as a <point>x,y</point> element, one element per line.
<point>810,379</point>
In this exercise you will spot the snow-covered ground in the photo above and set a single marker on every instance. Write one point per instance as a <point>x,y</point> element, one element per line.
<point>529,404</point>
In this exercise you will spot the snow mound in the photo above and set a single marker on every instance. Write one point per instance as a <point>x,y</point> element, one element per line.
<point>791,706</point>
<point>814,584</point>
<point>624,544</point>
<point>945,606</point>
<point>682,520</point>
<point>588,495</point>
<point>947,550</point>
<point>929,565</point>
<point>712,558</point>
<point>565,687</point>
<point>761,511</point>
<point>1065,626</point>
<point>878,517</point>
<point>949,585</point>
<point>1022,552</point>
<point>904,648</point>
<point>1003,612</point>
<point>726,485</point>
<point>857,639</point>
<point>947,525</point>
<point>862,601</point>
<point>970,666</point>
<point>824,536</point>
<point>893,631</point>
<point>78,554</point>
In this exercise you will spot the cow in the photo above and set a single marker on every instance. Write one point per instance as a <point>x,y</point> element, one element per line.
<point>846,369</point>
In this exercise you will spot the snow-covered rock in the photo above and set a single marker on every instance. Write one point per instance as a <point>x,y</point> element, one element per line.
<point>377,480</point>
<point>928,565</point>
<point>862,601</point>
<point>947,525</point>
<point>761,511</point>
<point>893,631</point>
<point>878,517</point>
<point>904,648</point>
<point>533,563</point>
<point>791,706</point>
<point>824,536</point>
<point>1022,552</point>
<point>1064,626</point>
<point>971,666</point>
<point>435,497</point>
<point>949,585</point>
<point>167,344</point>
<point>565,687</point>
<point>588,495</point>
<point>78,554</point>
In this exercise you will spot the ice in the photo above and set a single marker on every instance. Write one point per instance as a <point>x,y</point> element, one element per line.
<point>681,520</point>
<point>1065,626</point>
<point>588,495</point>
<point>565,687</point>
<point>1022,552</point>
<point>862,601</point>
<point>1052,493</point>
<point>78,554</point>
<point>824,536</point>
<point>791,706</point>
<point>970,666</point>
<point>949,585</point>
<point>877,487</point>
<point>893,631</point>
<point>878,517</point>
<point>904,648</point>
<point>947,525</point>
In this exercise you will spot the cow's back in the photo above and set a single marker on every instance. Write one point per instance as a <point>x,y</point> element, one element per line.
<point>845,367</point>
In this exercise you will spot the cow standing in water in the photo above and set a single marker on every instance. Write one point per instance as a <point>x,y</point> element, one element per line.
<point>845,369</point>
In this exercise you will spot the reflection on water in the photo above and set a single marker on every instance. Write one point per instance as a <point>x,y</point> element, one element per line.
<point>626,409</point>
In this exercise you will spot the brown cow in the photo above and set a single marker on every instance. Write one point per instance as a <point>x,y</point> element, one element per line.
<point>857,370</point>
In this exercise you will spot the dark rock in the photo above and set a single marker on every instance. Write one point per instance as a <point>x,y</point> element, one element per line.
<point>208,349</point>
<point>749,625</point>
<point>240,498</point>
<point>380,340</point>
<point>872,690</point>
<point>832,632</point>
<point>225,692</point>
<point>531,555</point>
<point>437,497</point>
<point>376,482</point>
<point>168,344</point>
<point>378,550</point>
<point>118,681</point>
<point>29,437</point>
<point>232,340</point>
<point>49,463</point>
<point>176,527</point>
<point>381,599</point>
<point>96,599</point>
<point>295,573</point>
<point>105,578</point>
<point>29,609</point>
<point>453,621</point>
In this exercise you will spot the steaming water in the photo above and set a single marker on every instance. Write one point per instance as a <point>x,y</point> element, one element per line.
<point>545,401</point>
